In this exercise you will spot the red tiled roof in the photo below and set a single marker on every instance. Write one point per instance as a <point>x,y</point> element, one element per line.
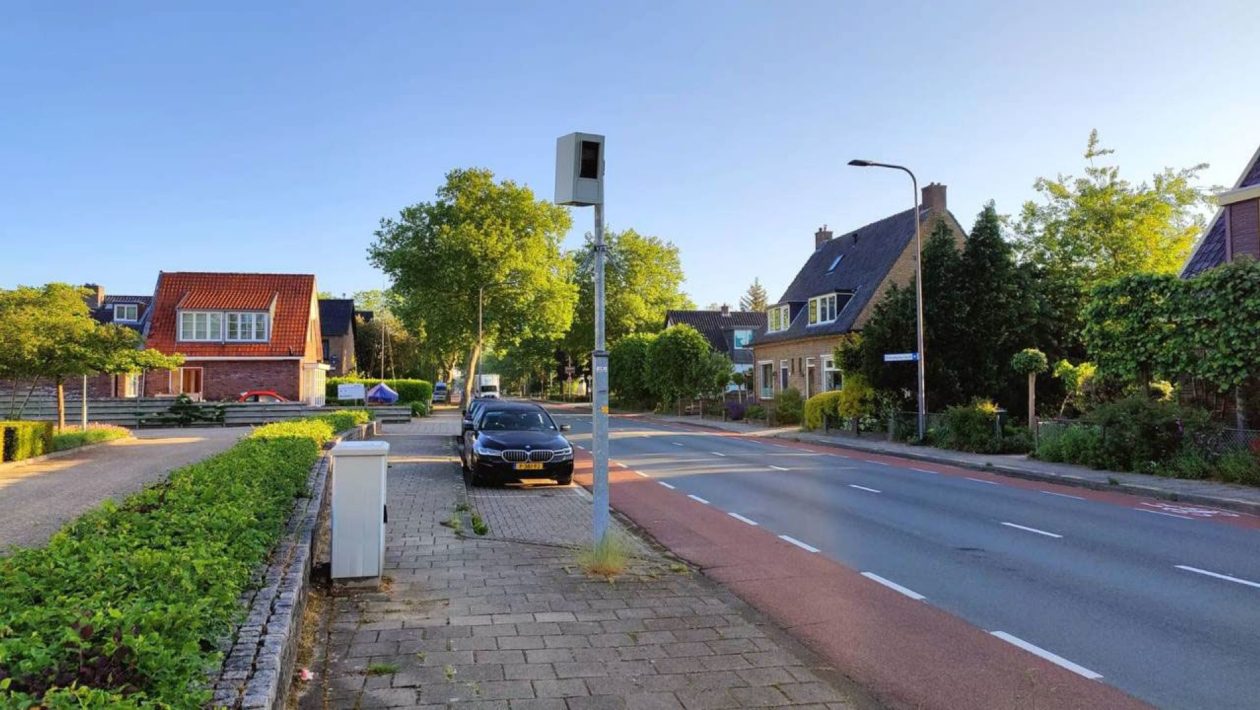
<point>292,295</point>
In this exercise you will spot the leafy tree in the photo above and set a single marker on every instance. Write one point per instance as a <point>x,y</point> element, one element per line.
<point>643,280</point>
<point>679,364</point>
<point>1219,333</point>
<point>384,347</point>
<point>1030,362</point>
<point>479,236</point>
<point>1076,380</point>
<point>716,375</point>
<point>629,375</point>
<point>1131,326</point>
<point>755,298</point>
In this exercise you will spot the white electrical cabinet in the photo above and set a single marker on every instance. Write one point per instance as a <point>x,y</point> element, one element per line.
<point>358,508</point>
<point>580,169</point>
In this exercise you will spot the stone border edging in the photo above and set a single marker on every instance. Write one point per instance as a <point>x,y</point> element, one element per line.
<point>1242,506</point>
<point>260,653</point>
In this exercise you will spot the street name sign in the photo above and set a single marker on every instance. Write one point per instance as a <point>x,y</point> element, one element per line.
<point>901,357</point>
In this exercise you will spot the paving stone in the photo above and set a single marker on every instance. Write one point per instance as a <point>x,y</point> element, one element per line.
<point>564,688</point>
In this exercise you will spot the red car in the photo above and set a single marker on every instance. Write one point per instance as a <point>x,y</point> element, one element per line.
<point>265,396</point>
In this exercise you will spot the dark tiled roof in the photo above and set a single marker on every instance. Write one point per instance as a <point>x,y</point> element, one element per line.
<point>336,316</point>
<point>1211,251</point>
<point>105,314</point>
<point>864,264</point>
<point>1252,177</point>
<point>714,327</point>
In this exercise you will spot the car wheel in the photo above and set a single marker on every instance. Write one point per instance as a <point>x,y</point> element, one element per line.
<point>564,480</point>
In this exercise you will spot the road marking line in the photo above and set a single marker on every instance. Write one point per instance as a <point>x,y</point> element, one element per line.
<point>1032,530</point>
<point>666,485</point>
<point>742,519</point>
<point>1062,495</point>
<point>779,468</point>
<point>798,543</point>
<point>923,470</point>
<point>676,443</point>
<point>1160,512</point>
<point>1225,577</point>
<point>716,453</point>
<point>881,463</point>
<point>622,465</point>
<point>640,473</point>
<point>864,488</point>
<point>697,499</point>
<point>981,480</point>
<point>894,586</point>
<point>1052,657</point>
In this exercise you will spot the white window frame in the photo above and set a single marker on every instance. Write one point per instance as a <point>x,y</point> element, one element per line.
<point>735,339</point>
<point>765,388</point>
<point>213,327</point>
<point>828,367</point>
<point>810,364</point>
<point>819,307</point>
<point>252,319</point>
<point>781,314</point>
<point>785,376</point>
<point>133,307</point>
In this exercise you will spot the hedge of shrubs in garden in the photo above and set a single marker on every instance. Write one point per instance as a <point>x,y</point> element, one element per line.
<point>125,605</point>
<point>23,440</point>
<point>72,438</point>
<point>408,390</point>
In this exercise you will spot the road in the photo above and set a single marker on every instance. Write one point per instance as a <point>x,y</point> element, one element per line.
<point>1143,595</point>
<point>37,498</point>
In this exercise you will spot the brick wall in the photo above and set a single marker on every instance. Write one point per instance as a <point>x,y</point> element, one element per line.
<point>796,353</point>
<point>226,379</point>
<point>1244,229</point>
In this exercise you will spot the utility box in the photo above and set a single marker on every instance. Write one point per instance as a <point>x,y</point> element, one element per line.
<point>580,169</point>
<point>358,508</point>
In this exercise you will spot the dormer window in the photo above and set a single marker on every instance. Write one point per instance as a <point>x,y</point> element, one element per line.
<point>822,309</point>
<point>742,338</point>
<point>215,326</point>
<point>127,312</point>
<point>777,319</point>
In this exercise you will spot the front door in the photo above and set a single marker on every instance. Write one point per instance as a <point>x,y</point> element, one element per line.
<point>189,382</point>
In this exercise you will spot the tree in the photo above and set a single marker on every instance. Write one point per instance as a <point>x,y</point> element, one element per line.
<point>679,363</point>
<point>1131,327</point>
<point>479,237</point>
<point>643,280</point>
<point>1030,362</point>
<point>48,333</point>
<point>629,375</point>
<point>1219,333</point>
<point>1076,380</point>
<point>754,299</point>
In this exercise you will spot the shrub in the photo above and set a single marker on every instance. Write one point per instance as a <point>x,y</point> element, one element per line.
<point>1238,467</point>
<point>788,406</point>
<point>755,411</point>
<point>317,430</point>
<point>126,604</point>
<point>419,409</point>
<point>735,411</point>
<point>1078,444</point>
<point>1188,462</point>
<point>823,404</point>
<point>94,434</point>
<point>23,440</point>
<point>1139,434</point>
<point>968,428</point>
<point>408,390</point>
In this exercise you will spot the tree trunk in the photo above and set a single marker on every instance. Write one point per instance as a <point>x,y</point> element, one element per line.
<point>1240,408</point>
<point>61,404</point>
<point>470,374</point>
<point>1032,402</point>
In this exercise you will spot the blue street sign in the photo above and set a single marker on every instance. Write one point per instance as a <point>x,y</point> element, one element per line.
<point>901,357</point>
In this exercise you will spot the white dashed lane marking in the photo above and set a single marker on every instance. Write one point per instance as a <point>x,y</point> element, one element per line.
<point>894,586</point>
<point>666,485</point>
<point>798,543</point>
<point>1043,653</point>
<point>697,499</point>
<point>1217,575</point>
<point>742,519</point>
<point>864,488</point>
<point>1032,530</point>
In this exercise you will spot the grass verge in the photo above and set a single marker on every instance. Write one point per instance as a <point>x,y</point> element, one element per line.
<point>94,434</point>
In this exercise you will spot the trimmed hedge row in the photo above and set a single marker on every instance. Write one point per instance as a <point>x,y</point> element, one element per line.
<point>24,440</point>
<point>125,605</point>
<point>408,390</point>
<point>94,434</point>
<point>820,405</point>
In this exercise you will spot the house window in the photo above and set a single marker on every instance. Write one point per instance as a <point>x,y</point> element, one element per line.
<point>767,380</point>
<point>833,379</point>
<point>212,326</point>
<point>783,375</point>
<point>247,327</point>
<point>126,312</point>
<point>200,325</point>
<point>822,309</point>
<point>127,385</point>
<point>777,319</point>
<point>834,264</point>
<point>743,338</point>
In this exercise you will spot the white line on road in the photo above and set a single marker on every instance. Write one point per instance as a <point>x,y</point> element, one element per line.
<point>676,443</point>
<point>697,499</point>
<point>1217,575</point>
<point>742,519</point>
<point>1052,657</point>
<point>881,463</point>
<point>779,468</point>
<point>1032,530</point>
<point>716,453</point>
<point>640,473</point>
<point>622,465</point>
<point>666,485</point>
<point>923,470</point>
<point>894,586</point>
<point>798,543</point>
<point>864,488</point>
<point>1062,495</point>
<point>1160,512</point>
<point>981,480</point>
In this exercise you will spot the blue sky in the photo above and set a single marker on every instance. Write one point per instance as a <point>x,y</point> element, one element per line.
<point>137,137</point>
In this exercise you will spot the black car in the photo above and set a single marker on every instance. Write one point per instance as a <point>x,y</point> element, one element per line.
<point>508,441</point>
<point>470,414</point>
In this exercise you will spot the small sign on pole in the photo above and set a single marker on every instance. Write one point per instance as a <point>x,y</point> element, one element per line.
<point>901,357</point>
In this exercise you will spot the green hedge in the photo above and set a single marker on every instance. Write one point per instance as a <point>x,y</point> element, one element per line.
<point>125,605</point>
<point>23,440</point>
<point>94,434</point>
<point>788,406</point>
<point>408,390</point>
<point>820,405</point>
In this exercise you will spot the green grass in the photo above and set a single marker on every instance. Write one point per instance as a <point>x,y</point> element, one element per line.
<point>94,434</point>
<point>606,559</point>
<point>479,526</point>
<point>382,668</point>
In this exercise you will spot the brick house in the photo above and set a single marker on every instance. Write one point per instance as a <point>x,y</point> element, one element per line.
<point>834,293</point>
<point>129,311</point>
<point>1235,229</point>
<point>337,326</point>
<point>237,332</point>
<point>728,332</point>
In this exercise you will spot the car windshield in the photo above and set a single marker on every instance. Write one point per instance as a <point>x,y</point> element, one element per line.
<point>516,421</point>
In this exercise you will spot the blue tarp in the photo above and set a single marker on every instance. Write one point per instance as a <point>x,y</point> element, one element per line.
<point>381,394</point>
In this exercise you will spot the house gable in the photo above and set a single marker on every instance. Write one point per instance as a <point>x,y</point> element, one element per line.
<point>1216,246</point>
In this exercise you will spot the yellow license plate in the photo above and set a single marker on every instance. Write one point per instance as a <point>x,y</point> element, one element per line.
<point>530,466</point>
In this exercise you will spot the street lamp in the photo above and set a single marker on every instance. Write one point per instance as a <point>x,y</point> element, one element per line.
<point>481,297</point>
<point>918,287</point>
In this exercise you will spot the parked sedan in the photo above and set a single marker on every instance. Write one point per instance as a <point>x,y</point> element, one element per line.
<point>512,441</point>
<point>265,396</point>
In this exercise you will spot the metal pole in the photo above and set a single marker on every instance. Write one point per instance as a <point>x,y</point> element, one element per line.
<point>599,400</point>
<point>83,406</point>
<point>918,288</point>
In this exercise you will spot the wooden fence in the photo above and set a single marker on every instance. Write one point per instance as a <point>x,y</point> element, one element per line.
<point>127,412</point>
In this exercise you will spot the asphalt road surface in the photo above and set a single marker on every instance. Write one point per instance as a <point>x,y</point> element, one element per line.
<point>1157,599</point>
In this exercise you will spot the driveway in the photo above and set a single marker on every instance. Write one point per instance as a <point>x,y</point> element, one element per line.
<point>38,498</point>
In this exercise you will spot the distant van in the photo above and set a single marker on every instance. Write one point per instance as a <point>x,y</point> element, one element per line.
<point>439,392</point>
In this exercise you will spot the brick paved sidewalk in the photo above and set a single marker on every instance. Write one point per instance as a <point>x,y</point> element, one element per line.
<point>475,622</point>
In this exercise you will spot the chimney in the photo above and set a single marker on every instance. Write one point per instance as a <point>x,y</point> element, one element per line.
<point>726,311</point>
<point>96,297</point>
<point>821,236</point>
<point>934,197</point>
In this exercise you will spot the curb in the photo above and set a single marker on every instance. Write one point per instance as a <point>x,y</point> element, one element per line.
<point>1133,489</point>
